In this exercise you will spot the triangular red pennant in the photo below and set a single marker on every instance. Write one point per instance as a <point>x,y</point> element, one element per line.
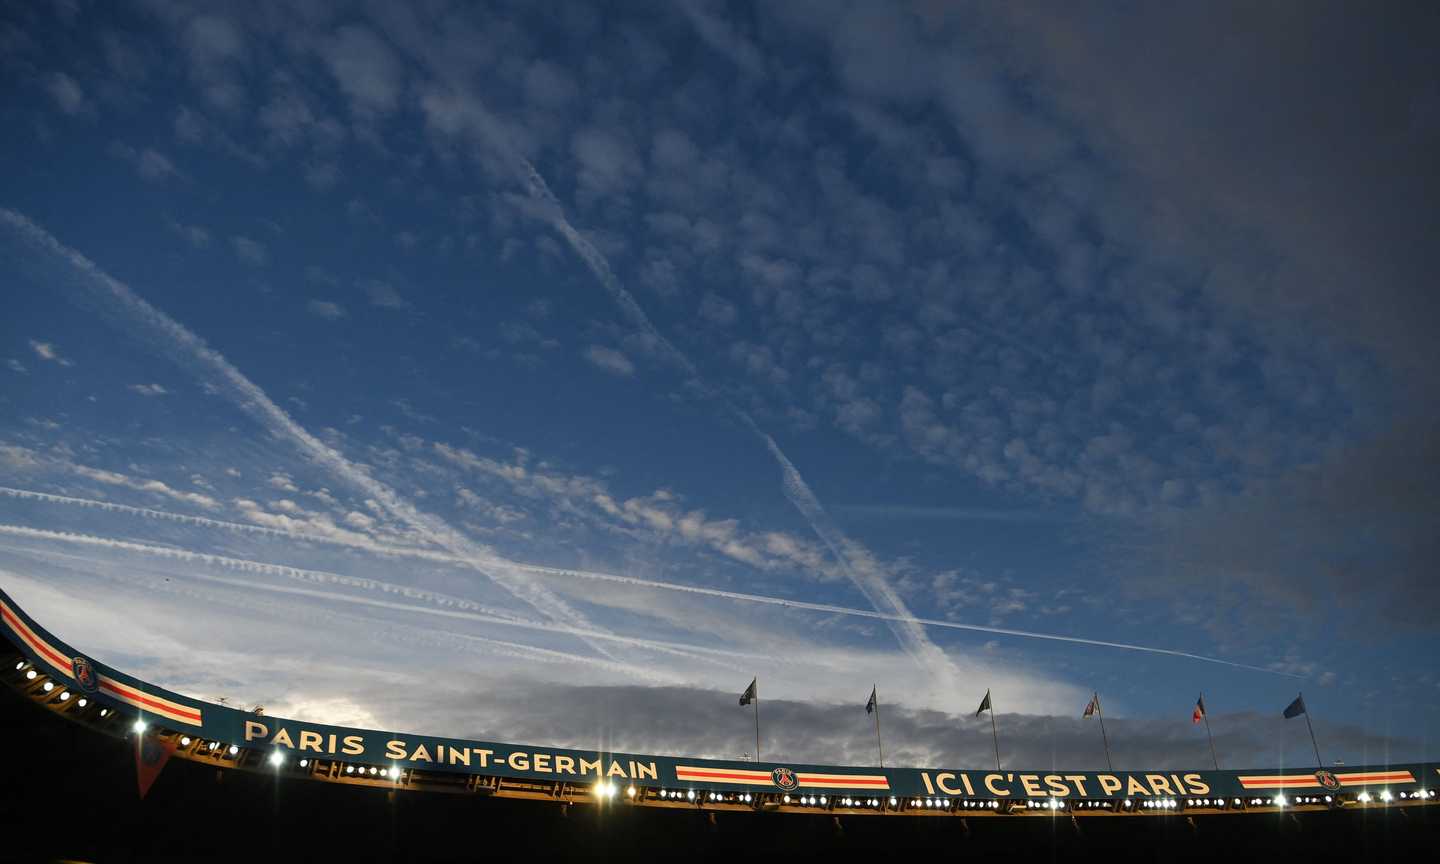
<point>151,754</point>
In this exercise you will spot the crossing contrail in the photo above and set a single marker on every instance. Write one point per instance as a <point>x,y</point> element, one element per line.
<point>190,350</point>
<point>857,562</point>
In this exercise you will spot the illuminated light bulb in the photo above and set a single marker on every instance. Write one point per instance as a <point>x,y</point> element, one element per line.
<point>349,769</point>
<point>304,763</point>
<point>31,675</point>
<point>104,712</point>
<point>1385,796</point>
<point>690,795</point>
<point>277,759</point>
<point>49,685</point>
<point>786,799</point>
<point>394,773</point>
<point>20,665</point>
<point>64,695</point>
<point>630,793</point>
<point>234,749</point>
<point>139,726</point>
<point>83,702</point>
<point>823,799</point>
<point>185,741</point>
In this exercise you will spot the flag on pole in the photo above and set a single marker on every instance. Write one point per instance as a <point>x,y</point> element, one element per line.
<point>749,695</point>
<point>1199,713</point>
<point>1296,708</point>
<point>151,754</point>
<point>870,706</point>
<point>984,704</point>
<point>1092,706</point>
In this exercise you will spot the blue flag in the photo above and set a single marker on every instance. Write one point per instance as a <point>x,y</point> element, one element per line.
<point>1296,708</point>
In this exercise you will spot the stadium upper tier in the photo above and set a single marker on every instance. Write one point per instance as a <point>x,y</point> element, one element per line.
<point>85,690</point>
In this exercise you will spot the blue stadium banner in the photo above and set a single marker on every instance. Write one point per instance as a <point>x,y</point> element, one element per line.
<point>163,709</point>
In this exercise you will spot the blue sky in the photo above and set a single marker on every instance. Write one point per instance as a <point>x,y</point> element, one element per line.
<point>346,345</point>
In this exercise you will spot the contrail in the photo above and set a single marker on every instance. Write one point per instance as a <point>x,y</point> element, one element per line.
<point>856,561</point>
<point>470,612</point>
<point>637,582</point>
<point>351,539</point>
<point>831,609</point>
<point>189,347</point>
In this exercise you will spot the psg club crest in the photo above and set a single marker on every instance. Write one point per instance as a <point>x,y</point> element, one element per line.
<point>784,778</point>
<point>84,674</point>
<point>1328,780</point>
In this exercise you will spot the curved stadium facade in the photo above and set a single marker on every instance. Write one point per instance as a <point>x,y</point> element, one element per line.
<point>104,704</point>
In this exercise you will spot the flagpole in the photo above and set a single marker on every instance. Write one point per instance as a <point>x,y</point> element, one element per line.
<point>1319,763</point>
<point>994,734</point>
<point>878,746</point>
<point>1205,715</point>
<point>1103,736</point>
<point>757,719</point>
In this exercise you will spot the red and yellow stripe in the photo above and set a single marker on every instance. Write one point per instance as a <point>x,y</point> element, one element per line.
<point>135,696</point>
<point>1303,781</point>
<point>748,777</point>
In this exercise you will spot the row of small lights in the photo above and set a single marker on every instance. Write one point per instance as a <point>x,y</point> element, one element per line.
<point>49,687</point>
